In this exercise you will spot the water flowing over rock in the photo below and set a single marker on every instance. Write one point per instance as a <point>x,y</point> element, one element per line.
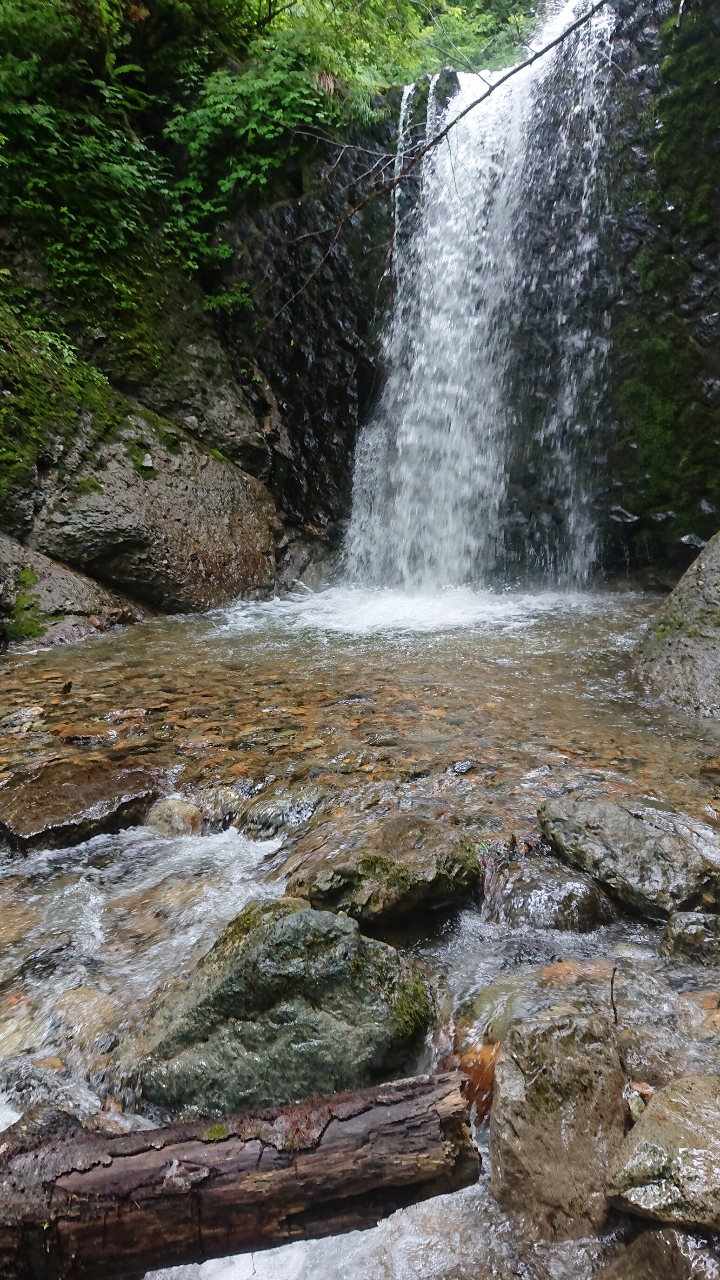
<point>665,1255</point>
<point>649,857</point>
<point>692,933</point>
<point>669,1165</point>
<point>431,503</point>
<point>558,1118</point>
<point>539,893</point>
<point>289,1003</point>
<point>61,804</point>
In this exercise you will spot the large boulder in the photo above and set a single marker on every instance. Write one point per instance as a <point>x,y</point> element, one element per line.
<point>289,1003</point>
<point>680,658</point>
<point>155,514</point>
<point>668,1167</point>
<point>544,895</point>
<point>40,598</point>
<point>694,934</point>
<point>557,1121</point>
<point>649,857</point>
<point>390,868</point>
<point>666,1254</point>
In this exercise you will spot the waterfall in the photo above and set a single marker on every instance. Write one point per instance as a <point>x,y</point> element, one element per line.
<point>476,463</point>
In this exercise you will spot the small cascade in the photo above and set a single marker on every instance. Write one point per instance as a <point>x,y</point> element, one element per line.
<point>474,466</point>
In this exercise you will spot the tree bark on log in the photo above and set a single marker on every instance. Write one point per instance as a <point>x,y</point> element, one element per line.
<point>78,1204</point>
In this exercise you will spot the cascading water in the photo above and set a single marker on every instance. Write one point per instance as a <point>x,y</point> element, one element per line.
<point>475,463</point>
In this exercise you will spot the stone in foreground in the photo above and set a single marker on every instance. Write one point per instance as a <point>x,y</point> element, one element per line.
<point>680,658</point>
<point>65,803</point>
<point>400,864</point>
<point>289,1003</point>
<point>541,894</point>
<point>668,1167</point>
<point>692,933</point>
<point>557,1121</point>
<point>175,817</point>
<point>651,858</point>
<point>664,1255</point>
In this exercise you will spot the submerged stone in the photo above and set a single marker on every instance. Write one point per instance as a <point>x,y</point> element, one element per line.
<point>668,1167</point>
<point>540,893</point>
<point>651,858</point>
<point>289,1003</point>
<point>558,1118</point>
<point>395,866</point>
<point>692,933</point>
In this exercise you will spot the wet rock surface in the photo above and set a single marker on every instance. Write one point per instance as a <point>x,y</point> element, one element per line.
<point>393,866</point>
<point>692,933</point>
<point>175,817</point>
<point>41,598</point>
<point>649,857</point>
<point>540,893</point>
<point>558,1118</point>
<point>667,1167</point>
<point>289,1003</point>
<point>61,805</point>
<point>665,1255</point>
<point>679,659</point>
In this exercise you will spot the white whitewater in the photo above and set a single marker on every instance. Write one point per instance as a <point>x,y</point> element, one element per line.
<point>431,472</point>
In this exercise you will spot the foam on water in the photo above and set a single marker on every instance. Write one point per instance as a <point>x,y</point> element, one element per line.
<point>348,610</point>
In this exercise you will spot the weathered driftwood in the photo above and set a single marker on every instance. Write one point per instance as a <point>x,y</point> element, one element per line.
<point>77,1204</point>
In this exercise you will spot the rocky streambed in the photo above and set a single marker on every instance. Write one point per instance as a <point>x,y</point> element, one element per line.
<point>301,846</point>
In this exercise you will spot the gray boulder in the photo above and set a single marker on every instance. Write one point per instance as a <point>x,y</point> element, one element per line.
<point>692,933</point>
<point>540,893</point>
<point>668,1167</point>
<point>680,658</point>
<point>383,870</point>
<point>651,858</point>
<point>175,817</point>
<point>664,1255</point>
<point>39,597</point>
<point>557,1121</point>
<point>289,1003</point>
<point>153,513</point>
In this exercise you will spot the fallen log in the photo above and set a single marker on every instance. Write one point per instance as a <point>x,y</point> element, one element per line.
<point>78,1204</point>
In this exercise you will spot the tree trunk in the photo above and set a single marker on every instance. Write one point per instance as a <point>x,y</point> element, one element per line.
<point>78,1204</point>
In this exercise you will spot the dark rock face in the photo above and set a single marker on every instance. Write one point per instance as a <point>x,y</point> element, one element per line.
<point>539,893</point>
<point>401,864</point>
<point>316,262</point>
<point>654,860</point>
<point>557,1121</point>
<point>668,1167</point>
<point>664,1255</point>
<point>661,243</point>
<point>60,804</point>
<point>39,597</point>
<point>153,513</point>
<point>680,658</point>
<point>289,1003</point>
<point>692,933</point>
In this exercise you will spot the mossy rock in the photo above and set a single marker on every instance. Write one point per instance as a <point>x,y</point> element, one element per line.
<point>289,1003</point>
<point>398,865</point>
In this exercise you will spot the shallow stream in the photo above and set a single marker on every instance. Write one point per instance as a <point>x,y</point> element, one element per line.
<point>295,714</point>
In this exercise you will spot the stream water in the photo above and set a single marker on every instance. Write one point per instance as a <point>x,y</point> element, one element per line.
<point>467,701</point>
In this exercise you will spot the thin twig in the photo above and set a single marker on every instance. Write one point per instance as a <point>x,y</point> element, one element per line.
<point>612,996</point>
